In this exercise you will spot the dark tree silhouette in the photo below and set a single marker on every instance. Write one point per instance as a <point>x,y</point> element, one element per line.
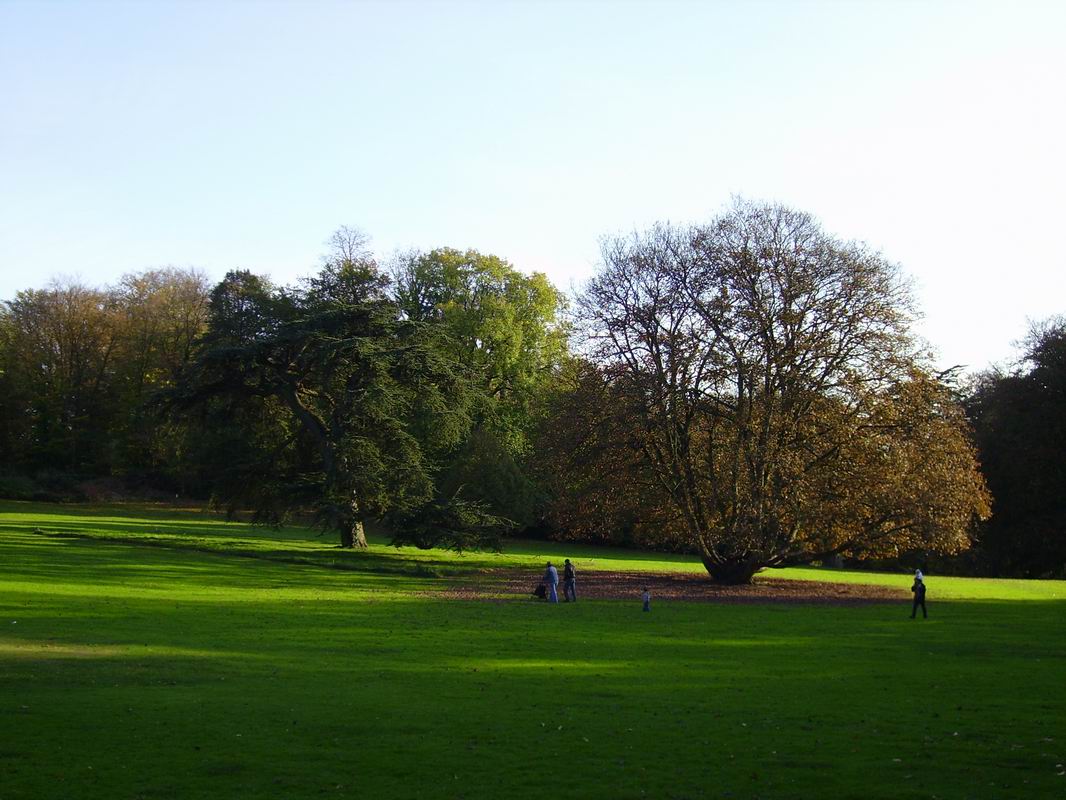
<point>1020,422</point>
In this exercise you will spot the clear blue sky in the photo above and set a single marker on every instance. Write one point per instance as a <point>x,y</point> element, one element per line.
<point>240,134</point>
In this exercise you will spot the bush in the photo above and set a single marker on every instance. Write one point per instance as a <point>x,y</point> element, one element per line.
<point>102,490</point>
<point>55,486</point>
<point>18,487</point>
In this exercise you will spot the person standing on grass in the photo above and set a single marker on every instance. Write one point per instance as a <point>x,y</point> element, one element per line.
<point>645,595</point>
<point>569,582</point>
<point>551,577</point>
<point>919,594</point>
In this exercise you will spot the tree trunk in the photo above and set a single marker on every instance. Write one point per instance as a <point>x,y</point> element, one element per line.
<point>353,535</point>
<point>732,572</point>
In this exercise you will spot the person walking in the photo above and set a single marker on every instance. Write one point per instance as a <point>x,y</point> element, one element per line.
<point>569,582</point>
<point>918,587</point>
<point>551,577</point>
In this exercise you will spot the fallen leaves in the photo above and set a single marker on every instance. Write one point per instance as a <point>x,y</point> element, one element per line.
<point>510,584</point>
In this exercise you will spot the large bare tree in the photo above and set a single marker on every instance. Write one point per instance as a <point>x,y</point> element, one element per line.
<point>783,406</point>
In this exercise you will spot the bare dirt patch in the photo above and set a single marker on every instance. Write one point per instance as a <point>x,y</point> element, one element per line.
<point>519,585</point>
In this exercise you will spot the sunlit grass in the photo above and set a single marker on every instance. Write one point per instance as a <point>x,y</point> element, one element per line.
<point>942,587</point>
<point>206,531</point>
<point>164,671</point>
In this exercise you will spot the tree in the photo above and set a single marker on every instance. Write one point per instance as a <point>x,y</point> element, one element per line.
<point>12,425</point>
<point>59,352</point>
<point>503,329</point>
<point>79,366</point>
<point>905,478</point>
<point>159,313</point>
<point>362,401</point>
<point>780,403</point>
<point>1020,422</point>
<point>589,461</point>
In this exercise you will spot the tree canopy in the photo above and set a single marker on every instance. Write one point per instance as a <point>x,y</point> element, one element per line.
<point>78,365</point>
<point>503,326</point>
<point>362,400</point>
<point>747,389</point>
<point>1020,421</point>
<point>778,398</point>
<point>504,329</point>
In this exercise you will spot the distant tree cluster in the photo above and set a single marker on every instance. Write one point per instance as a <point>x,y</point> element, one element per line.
<point>747,390</point>
<point>409,397</point>
<point>78,366</point>
<point>359,397</point>
<point>1020,422</point>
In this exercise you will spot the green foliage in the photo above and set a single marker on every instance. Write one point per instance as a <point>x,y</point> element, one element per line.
<point>328,395</point>
<point>451,523</point>
<point>503,326</point>
<point>481,469</point>
<point>346,405</point>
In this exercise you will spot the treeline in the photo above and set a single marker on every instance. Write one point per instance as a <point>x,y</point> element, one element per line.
<point>398,386</point>
<point>1019,420</point>
<point>78,368</point>
<point>747,390</point>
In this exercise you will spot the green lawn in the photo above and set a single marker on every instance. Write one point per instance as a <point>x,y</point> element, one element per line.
<point>227,661</point>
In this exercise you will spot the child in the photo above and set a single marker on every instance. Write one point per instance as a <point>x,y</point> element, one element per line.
<point>646,596</point>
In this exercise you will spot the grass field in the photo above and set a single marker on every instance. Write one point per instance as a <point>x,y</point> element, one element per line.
<point>154,653</point>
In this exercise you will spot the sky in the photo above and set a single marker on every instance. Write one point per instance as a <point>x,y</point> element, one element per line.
<point>223,135</point>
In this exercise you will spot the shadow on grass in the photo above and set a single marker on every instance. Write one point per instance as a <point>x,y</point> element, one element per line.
<point>243,676</point>
<point>139,520</point>
<point>52,560</point>
<point>163,527</point>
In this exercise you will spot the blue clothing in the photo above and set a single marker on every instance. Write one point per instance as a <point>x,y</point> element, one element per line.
<point>551,577</point>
